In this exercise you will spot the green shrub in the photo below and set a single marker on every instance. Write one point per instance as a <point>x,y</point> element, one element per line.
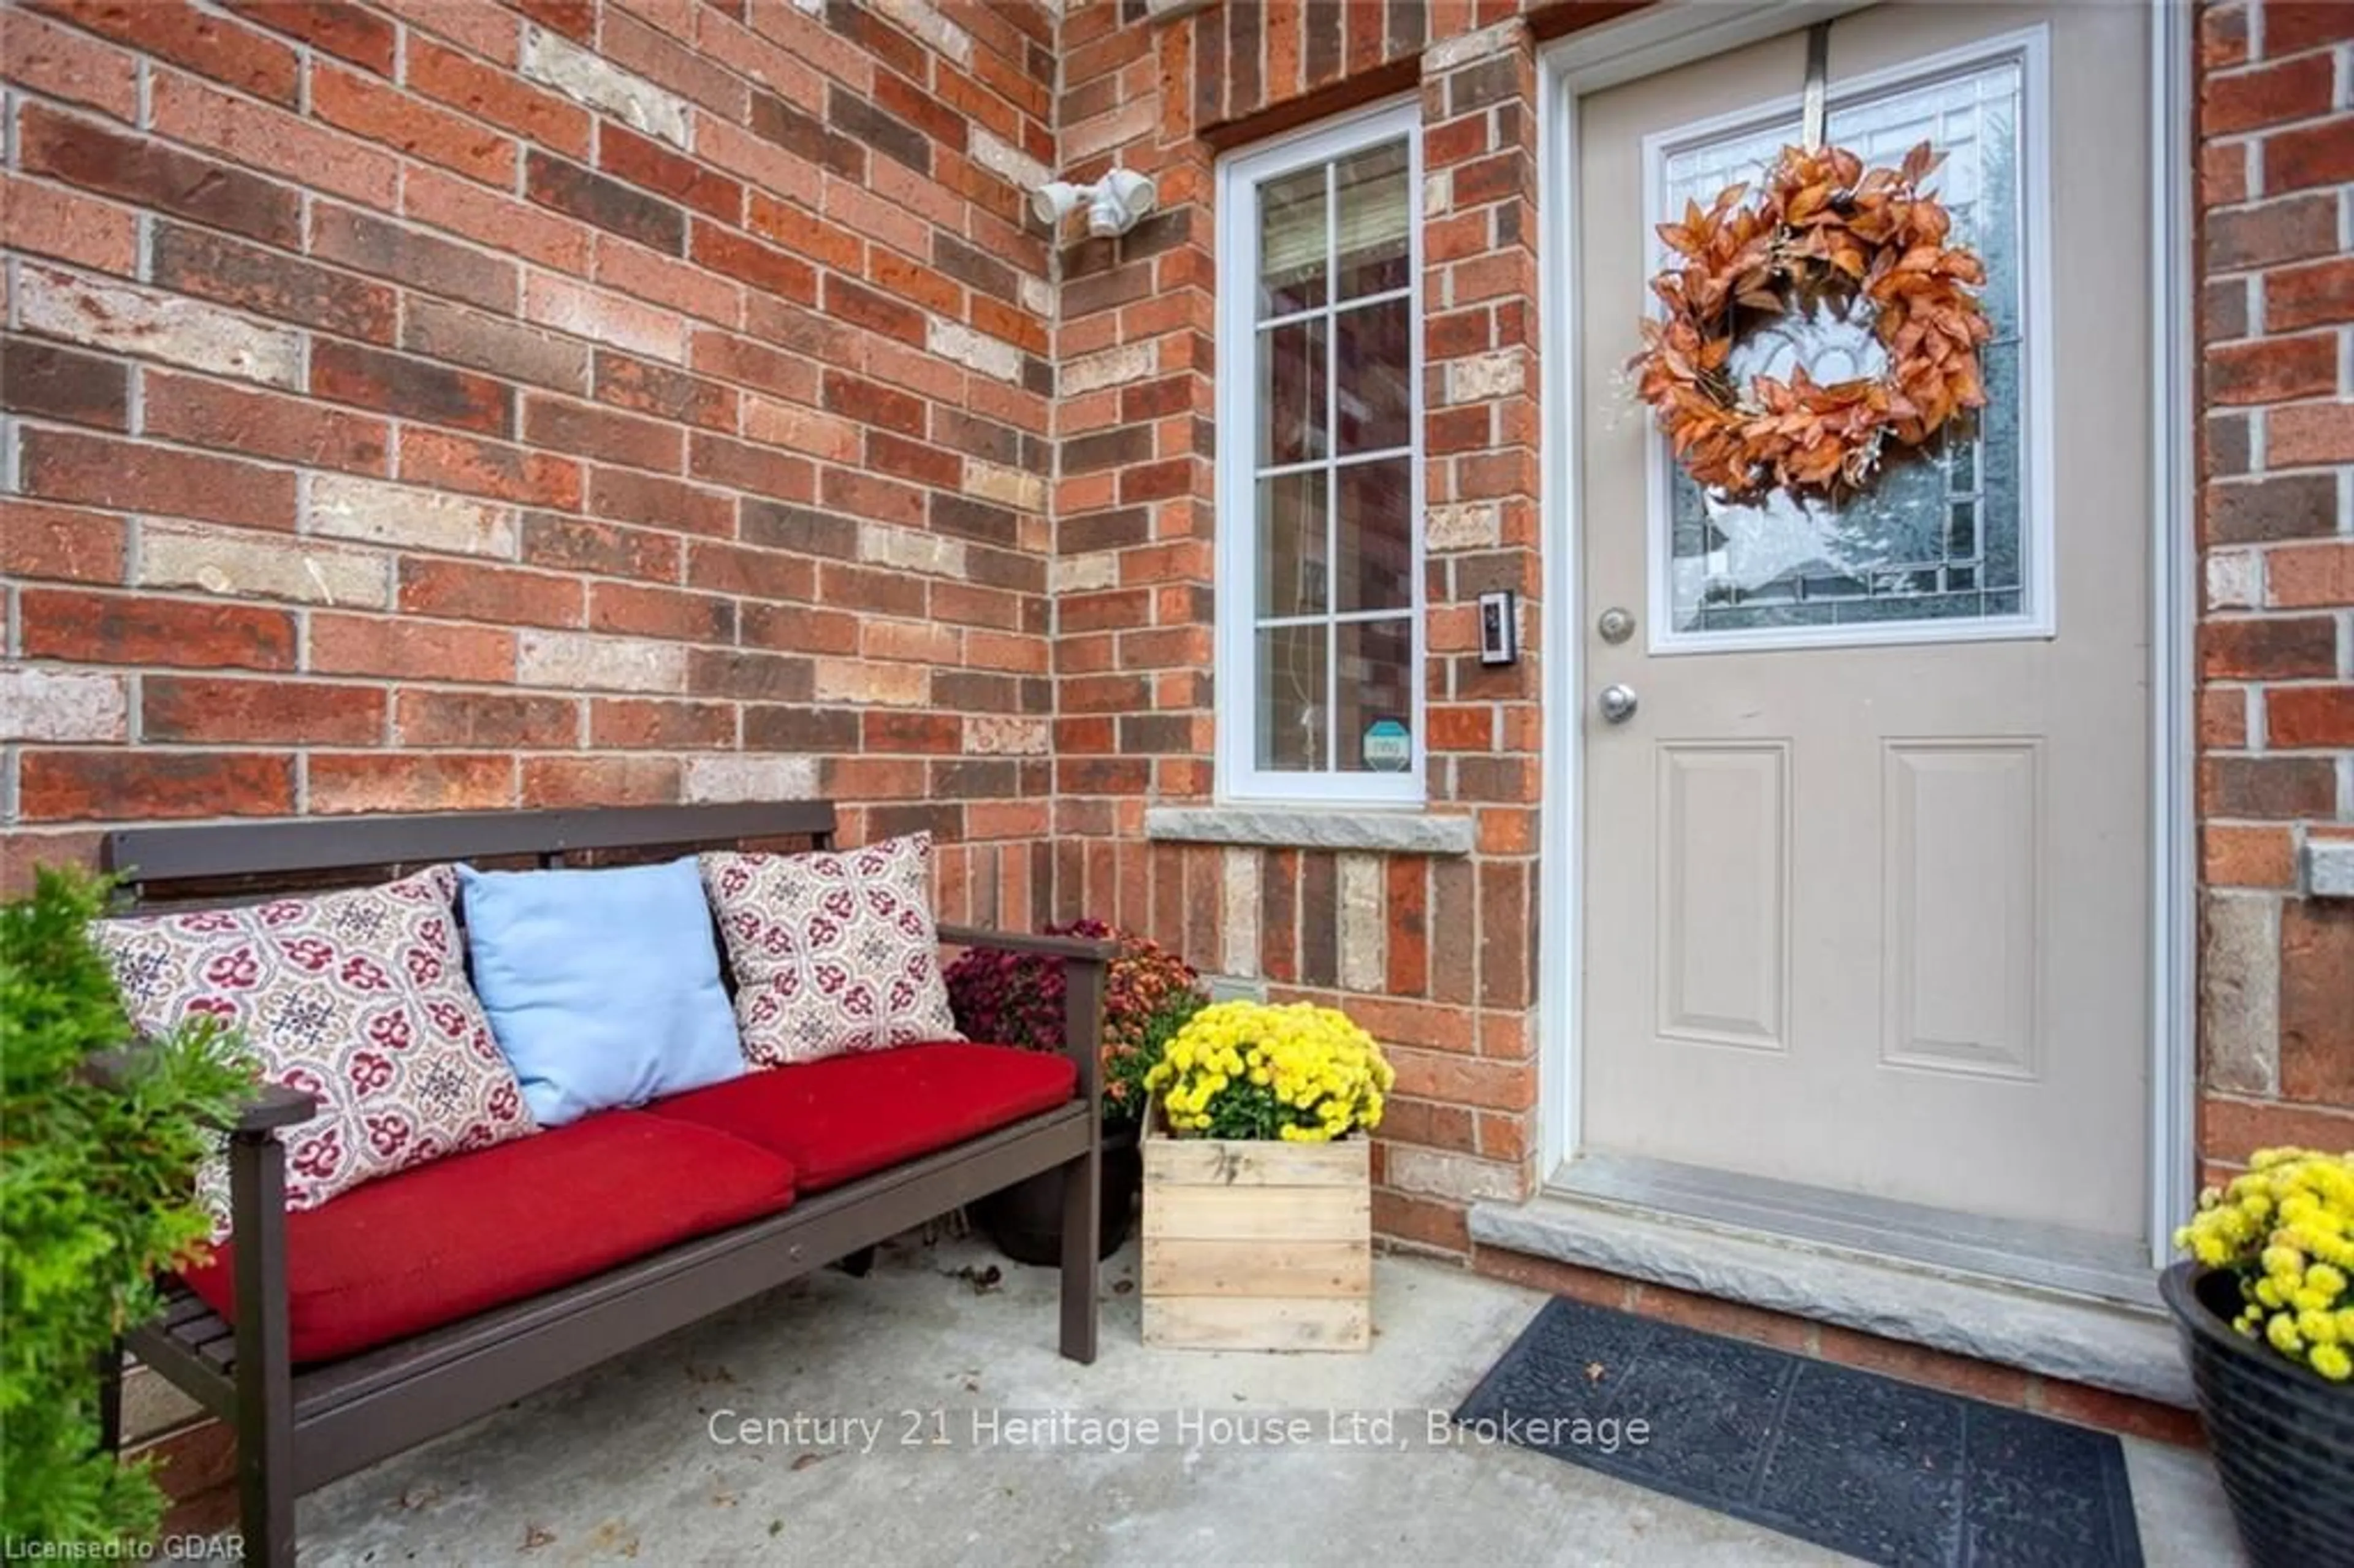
<point>97,1193</point>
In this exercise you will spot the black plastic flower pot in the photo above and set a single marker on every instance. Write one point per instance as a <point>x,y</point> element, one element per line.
<point>1025,1220</point>
<point>2282,1435</point>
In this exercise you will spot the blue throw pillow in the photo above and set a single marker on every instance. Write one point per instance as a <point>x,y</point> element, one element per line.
<point>602,987</point>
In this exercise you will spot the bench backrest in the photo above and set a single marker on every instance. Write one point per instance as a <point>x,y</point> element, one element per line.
<point>261,857</point>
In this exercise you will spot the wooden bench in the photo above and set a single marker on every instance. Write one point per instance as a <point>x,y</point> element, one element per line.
<point>299,1427</point>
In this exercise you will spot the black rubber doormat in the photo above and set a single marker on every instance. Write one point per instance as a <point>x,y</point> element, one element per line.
<point>1861,1462</point>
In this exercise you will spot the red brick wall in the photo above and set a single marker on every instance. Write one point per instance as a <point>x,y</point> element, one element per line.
<point>426,404</point>
<point>2276,511</point>
<point>1434,954</point>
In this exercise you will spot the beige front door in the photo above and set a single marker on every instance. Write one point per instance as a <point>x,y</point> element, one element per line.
<point>1866,871</point>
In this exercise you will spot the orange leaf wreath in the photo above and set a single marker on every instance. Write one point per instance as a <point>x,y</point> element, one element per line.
<point>1820,229</point>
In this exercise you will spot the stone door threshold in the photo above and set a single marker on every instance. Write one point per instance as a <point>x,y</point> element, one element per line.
<point>2127,1349</point>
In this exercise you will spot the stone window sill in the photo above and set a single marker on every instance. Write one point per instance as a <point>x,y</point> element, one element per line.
<point>1314,827</point>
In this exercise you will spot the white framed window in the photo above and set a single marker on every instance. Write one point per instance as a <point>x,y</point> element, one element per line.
<point>1956,544</point>
<point>1320,645</point>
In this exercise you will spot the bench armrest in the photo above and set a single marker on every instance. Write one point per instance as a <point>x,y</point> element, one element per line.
<point>269,1107</point>
<point>1086,975</point>
<point>1083,947</point>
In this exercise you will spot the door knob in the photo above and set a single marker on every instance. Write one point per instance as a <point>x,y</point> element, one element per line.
<point>1617,703</point>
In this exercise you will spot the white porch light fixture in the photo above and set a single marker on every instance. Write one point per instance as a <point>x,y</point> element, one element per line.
<point>1114,203</point>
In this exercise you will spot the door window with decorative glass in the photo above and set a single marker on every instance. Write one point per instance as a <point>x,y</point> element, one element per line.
<point>1319,664</point>
<point>1945,543</point>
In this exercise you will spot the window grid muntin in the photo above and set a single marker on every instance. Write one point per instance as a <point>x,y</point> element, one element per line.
<point>1325,752</point>
<point>1921,592</point>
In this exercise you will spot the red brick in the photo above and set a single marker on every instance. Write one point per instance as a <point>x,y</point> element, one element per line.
<point>58,383</point>
<point>633,723</point>
<point>641,610</point>
<point>2286,507</point>
<point>2232,856</point>
<point>606,203</point>
<point>131,477</point>
<point>627,497</point>
<point>647,163</point>
<point>2223,34</point>
<point>47,220</point>
<point>600,781</point>
<point>863,307</point>
<point>430,197</point>
<point>175,30</point>
<point>2317,1002</point>
<point>2291,230</point>
<point>475,590</point>
<point>1554,1279</point>
<point>408,650</point>
<point>497,96</point>
<point>340,27</point>
<point>211,414</point>
<point>873,404</point>
<point>118,785</point>
<point>380,781</point>
<point>2321,294</point>
<point>2269,648</point>
<point>2224,718</point>
<point>2230,1130</point>
<point>197,261</point>
<point>667,279</point>
<point>602,433</point>
<point>767,575</point>
<point>71,66</point>
<point>576,19</point>
<point>1734,1320</point>
<point>489,31</point>
<point>192,708</point>
<point>776,272</point>
<point>2267,95</point>
<point>2309,433</point>
<point>121,629</point>
<point>2112,1412</point>
<point>2310,156</point>
<point>1919,1363</point>
<point>412,388</point>
<point>446,461</point>
<point>571,544</point>
<point>60,544</point>
<point>378,111</point>
<point>2269,788</point>
<point>2310,576</point>
<point>1407,879</point>
<point>151,175</point>
<point>1421,1223</point>
<point>763,471</point>
<point>828,244</point>
<point>2310,717</point>
<point>651,53</point>
<point>486,720</point>
<point>2272,369</point>
<point>2293,25</point>
<point>2222,182</point>
<point>411,256</point>
<point>285,145</point>
<point>650,388</point>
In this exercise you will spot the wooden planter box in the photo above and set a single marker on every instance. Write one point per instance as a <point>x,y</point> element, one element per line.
<point>1258,1245</point>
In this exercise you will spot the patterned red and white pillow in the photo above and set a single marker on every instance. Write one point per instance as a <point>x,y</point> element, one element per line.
<point>832,952</point>
<point>359,998</point>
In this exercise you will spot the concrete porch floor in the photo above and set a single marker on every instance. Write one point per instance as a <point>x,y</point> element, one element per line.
<point>621,1463</point>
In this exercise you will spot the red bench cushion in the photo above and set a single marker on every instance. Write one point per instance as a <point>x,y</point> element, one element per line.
<point>839,1119</point>
<point>461,1235</point>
